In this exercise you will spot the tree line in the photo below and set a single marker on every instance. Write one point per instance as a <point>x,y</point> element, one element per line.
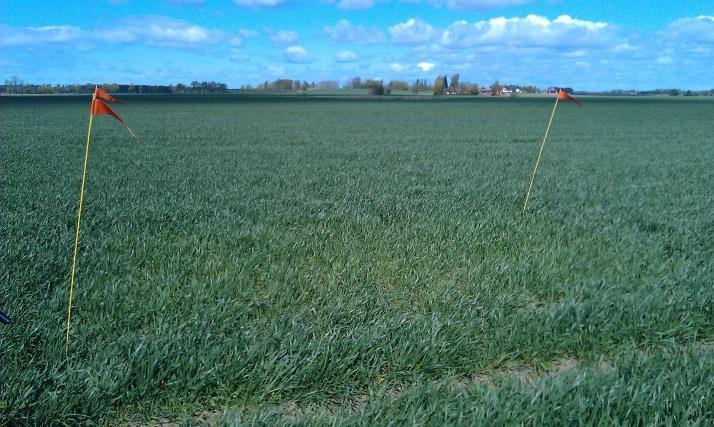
<point>441,85</point>
<point>16,86</point>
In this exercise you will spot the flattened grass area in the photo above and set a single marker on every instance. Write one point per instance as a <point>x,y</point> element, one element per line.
<point>358,261</point>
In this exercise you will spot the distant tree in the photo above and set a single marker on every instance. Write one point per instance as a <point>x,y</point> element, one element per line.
<point>496,88</point>
<point>454,81</point>
<point>110,87</point>
<point>439,85</point>
<point>13,84</point>
<point>398,85</point>
<point>356,82</point>
<point>415,87</point>
<point>328,84</point>
<point>674,92</point>
<point>376,87</point>
<point>468,88</point>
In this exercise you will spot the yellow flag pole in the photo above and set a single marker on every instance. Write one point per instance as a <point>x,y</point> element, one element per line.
<point>535,169</point>
<point>79,221</point>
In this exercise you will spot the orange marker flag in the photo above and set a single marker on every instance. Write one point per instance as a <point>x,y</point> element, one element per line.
<point>100,108</point>
<point>101,94</point>
<point>565,96</point>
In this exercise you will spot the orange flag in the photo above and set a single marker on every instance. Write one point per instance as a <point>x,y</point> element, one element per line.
<point>100,108</point>
<point>101,94</point>
<point>565,96</point>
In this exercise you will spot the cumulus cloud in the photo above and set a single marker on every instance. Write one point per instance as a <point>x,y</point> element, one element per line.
<point>259,3</point>
<point>478,4</point>
<point>698,30</point>
<point>162,31</point>
<point>152,30</point>
<point>413,32</point>
<point>284,38</point>
<point>296,54</point>
<point>664,60</point>
<point>247,33</point>
<point>356,4</point>
<point>28,36</point>
<point>425,66</point>
<point>530,32</point>
<point>182,2</point>
<point>345,32</point>
<point>276,70</point>
<point>346,56</point>
<point>238,56</point>
<point>450,4</point>
<point>397,67</point>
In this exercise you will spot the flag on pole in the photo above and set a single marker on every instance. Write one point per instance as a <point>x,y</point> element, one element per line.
<point>565,96</point>
<point>98,107</point>
<point>101,94</point>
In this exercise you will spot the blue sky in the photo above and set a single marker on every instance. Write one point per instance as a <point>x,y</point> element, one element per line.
<point>588,45</point>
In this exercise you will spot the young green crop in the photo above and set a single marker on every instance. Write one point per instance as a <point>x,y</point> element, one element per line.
<point>312,260</point>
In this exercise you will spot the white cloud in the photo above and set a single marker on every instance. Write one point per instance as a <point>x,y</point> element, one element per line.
<point>345,32</point>
<point>532,31</point>
<point>238,56</point>
<point>413,32</point>
<point>235,41</point>
<point>356,4</point>
<point>182,2</point>
<point>28,36</point>
<point>259,3</point>
<point>152,30</point>
<point>161,31</point>
<point>450,4</point>
<point>397,67</point>
<point>479,4</point>
<point>296,54</point>
<point>625,47</point>
<point>425,66</point>
<point>664,60</point>
<point>276,70</point>
<point>697,30</point>
<point>247,33</point>
<point>284,38</point>
<point>346,56</point>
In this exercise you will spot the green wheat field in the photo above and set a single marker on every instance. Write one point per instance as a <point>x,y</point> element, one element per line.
<point>359,261</point>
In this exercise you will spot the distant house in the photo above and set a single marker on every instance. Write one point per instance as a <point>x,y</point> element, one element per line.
<point>451,91</point>
<point>486,91</point>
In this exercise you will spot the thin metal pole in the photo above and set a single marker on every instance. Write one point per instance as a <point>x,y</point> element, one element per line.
<point>79,222</point>
<point>535,169</point>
